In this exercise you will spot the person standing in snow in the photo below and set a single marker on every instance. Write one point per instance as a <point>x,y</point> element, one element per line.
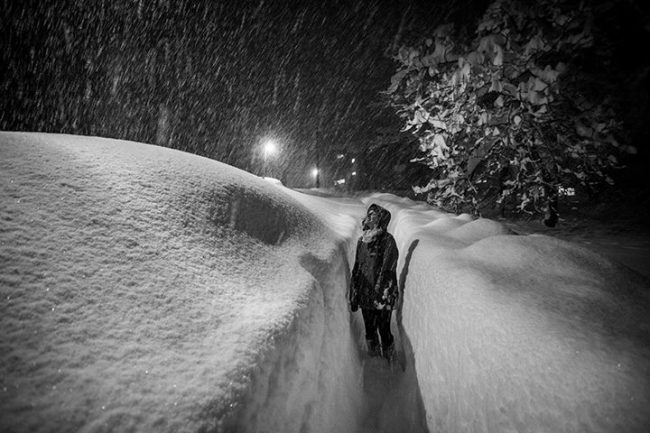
<point>373,286</point>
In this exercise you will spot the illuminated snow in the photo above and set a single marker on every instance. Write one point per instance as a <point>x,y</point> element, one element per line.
<point>146,289</point>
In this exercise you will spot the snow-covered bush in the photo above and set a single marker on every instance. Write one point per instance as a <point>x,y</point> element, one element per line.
<point>514,112</point>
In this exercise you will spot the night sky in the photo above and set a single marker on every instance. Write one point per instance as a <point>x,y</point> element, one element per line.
<point>217,78</point>
<point>213,78</point>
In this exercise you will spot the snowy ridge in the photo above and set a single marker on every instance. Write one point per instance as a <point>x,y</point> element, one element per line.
<point>146,289</point>
<point>519,333</point>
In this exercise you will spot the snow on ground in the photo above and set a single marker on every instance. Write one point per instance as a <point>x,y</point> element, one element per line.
<point>146,289</point>
<point>625,241</point>
<point>391,396</point>
<point>519,333</point>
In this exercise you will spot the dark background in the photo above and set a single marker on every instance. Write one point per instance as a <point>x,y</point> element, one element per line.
<point>216,78</point>
<point>212,77</point>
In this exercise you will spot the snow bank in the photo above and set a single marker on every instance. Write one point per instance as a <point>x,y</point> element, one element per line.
<point>146,289</point>
<point>520,333</point>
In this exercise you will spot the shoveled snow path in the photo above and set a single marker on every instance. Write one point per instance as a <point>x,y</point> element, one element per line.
<point>511,333</point>
<point>393,402</point>
<point>145,289</point>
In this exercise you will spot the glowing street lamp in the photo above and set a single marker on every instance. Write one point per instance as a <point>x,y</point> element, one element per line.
<point>269,148</point>
<point>316,174</point>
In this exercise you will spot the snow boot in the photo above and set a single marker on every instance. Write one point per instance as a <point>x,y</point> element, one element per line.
<point>374,349</point>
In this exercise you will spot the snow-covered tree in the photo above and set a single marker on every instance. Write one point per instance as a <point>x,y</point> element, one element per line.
<point>512,115</point>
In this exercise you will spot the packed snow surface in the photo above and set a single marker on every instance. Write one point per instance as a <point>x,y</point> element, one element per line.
<point>146,289</point>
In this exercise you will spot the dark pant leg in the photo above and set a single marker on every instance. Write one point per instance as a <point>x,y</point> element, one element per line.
<point>370,322</point>
<point>383,325</point>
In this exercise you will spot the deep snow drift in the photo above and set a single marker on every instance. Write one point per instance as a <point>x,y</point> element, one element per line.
<point>520,333</point>
<point>145,289</point>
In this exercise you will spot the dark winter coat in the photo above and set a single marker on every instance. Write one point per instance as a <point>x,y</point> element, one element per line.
<point>374,278</point>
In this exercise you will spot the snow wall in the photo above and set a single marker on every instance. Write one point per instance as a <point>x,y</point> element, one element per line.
<point>144,289</point>
<point>519,333</point>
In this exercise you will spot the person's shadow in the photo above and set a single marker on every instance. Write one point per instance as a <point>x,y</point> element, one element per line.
<point>402,279</point>
<point>416,421</point>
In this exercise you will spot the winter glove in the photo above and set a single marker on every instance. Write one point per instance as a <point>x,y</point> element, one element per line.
<point>354,299</point>
<point>388,298</point>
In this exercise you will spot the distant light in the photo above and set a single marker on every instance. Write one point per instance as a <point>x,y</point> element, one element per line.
<point>340,156</point>
<point>567,191</point>
<point>339,182</point>
<point>314,172</point>
<point>354,173</point>
<point>353,159</point>
<point>269,147</point>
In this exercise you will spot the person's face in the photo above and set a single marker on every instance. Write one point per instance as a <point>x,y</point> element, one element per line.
<point>373,219</point>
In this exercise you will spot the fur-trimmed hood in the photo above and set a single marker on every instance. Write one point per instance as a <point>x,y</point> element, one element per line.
<point>384,216</point>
